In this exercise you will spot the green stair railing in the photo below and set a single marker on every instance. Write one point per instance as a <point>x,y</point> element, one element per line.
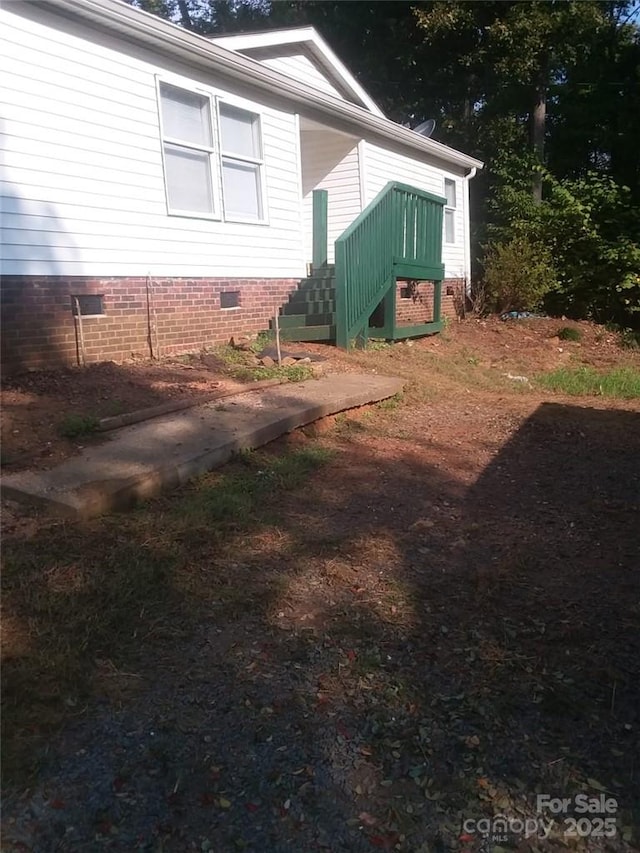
<point>398,235</point>
<point>320,229</point>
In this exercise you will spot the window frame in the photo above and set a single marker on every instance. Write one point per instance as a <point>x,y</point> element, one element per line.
<point>451,209</point>
<point>231,307</point>
<point>214,177</point>
<point>81,315</point>
<point>263,219</point>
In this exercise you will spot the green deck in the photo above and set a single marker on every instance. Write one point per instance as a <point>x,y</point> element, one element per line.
<point>397,236</point>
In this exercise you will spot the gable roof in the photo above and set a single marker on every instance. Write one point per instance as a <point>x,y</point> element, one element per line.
<point>142,28</point>
<point>308,42</point>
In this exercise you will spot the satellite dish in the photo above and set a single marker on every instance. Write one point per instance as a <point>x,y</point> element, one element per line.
<point>426,128</point>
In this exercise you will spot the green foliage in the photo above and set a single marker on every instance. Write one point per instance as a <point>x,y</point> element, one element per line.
<point>594,229</point>
<point>508,52</point>
<point>630,338</point>
<point>242,366</point>
<point>230,355</point>
<point>623,382</point>
<point>290,373</point>
<point>569,333</point>
<point>375,345</point>
<point>518,274</point>
<point>75,426</point>
<point>263,340</point>
<point>391,403</point>
<point>591,226</point>
<point>237,498</point>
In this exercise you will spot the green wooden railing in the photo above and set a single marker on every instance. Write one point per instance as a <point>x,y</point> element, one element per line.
<point>320,228</point>
<point>398,235</point>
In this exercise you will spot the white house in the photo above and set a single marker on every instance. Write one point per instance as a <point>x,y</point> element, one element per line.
<point>160,183</point>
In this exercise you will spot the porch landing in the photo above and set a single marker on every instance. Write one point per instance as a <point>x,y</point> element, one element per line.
<point>141,461</point>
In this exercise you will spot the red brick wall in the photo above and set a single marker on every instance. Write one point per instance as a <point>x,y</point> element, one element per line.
<point>454,298</point>
<point>418,308</point>
<point>39,330</point>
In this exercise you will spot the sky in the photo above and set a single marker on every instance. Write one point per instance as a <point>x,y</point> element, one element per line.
<point>635,17</point>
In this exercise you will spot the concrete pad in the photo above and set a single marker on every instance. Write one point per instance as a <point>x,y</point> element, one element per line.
<point>140,461</point>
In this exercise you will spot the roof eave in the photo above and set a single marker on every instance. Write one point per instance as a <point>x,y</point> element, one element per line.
<point>309,38</point>
<point>135,25</point>
<point>325,55</point>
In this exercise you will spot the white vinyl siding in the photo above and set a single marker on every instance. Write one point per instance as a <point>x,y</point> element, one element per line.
<point>301,68</point>
<point>82,182</point>
<point>330,162</point>
<point>383,165</point>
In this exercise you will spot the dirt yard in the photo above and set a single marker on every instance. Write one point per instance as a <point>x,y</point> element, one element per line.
<point>37,406</point>
<point>380,633</point>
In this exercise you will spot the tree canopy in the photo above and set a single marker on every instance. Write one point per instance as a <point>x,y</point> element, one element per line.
<point>546,92</point>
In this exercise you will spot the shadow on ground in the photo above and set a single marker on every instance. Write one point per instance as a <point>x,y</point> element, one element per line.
<point>365,662</point>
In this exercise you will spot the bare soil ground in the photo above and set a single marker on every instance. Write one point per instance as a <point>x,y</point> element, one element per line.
<point>376,634</point>
<point>36,405</point>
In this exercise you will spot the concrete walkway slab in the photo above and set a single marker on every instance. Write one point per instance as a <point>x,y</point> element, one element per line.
<point>140,461</point>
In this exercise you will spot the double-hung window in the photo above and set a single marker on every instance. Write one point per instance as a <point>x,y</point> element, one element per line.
<point>187,141</point>
<point>450,211</point>
<point>242,164</point>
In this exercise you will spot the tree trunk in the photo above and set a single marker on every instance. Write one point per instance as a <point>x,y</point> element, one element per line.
<point>185,17</point>
<point>538,122</point>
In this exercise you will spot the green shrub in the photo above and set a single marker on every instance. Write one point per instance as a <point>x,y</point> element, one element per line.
<point>630,338</point>
<point>75,426</point>
<point>569,333</point>
<point>518,274</point>
<point>590,227</point>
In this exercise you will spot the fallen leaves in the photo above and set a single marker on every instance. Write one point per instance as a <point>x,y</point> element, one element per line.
<point>422,524</point>
<point>384,842</point>
<point>386,728</point>
<point>366,819</point>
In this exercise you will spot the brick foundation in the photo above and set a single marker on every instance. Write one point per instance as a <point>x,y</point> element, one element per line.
<point>416,307</point>
<point>171,315</point>
<point>455,301</point>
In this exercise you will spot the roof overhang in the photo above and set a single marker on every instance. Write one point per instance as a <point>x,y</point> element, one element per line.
<point>137,27</point>
<point>312,44</point>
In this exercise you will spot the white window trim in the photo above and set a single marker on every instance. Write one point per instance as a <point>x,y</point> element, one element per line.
<point>239,158</point>
<point>451,209</point>
<point>216,215</point>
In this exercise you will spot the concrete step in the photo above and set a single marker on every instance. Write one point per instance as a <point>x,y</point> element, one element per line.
<point>140,461</point>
